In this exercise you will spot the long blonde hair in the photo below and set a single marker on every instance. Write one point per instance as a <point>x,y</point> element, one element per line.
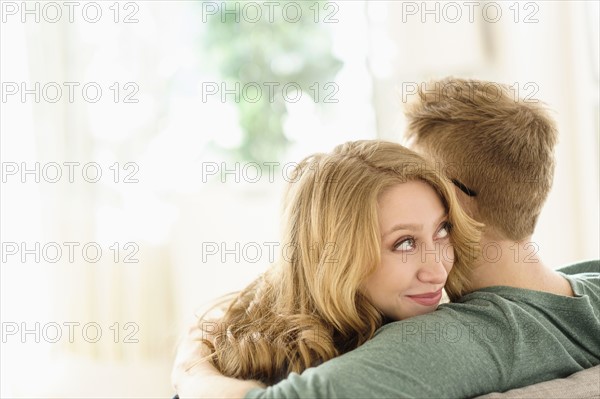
<point>308,307</point>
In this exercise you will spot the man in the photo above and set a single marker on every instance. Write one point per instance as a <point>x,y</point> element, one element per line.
<point>523,323</point>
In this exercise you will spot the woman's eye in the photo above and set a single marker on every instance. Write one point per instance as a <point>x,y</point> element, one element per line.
<point>444,232</point>
<point>407,244</point>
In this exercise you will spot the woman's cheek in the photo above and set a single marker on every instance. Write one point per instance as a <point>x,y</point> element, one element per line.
<point>448,255</point>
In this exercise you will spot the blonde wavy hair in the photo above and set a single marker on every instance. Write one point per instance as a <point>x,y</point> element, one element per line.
<point>308,306</point>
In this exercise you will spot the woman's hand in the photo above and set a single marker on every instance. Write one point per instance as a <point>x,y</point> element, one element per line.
<point>193,374</point>
<point>191,364</point>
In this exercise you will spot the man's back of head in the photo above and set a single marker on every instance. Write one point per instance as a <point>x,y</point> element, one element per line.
<point>494,146</point>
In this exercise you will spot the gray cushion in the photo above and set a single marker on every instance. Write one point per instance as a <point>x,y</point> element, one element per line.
<point>582,385</point>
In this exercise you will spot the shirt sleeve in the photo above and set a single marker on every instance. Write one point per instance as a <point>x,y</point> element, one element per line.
<point>491,341</point>
<point>420,357</point>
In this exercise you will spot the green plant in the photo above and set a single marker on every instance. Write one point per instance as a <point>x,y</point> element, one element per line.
<point>264,57</point>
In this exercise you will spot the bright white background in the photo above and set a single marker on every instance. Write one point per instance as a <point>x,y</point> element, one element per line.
<point>173,213</point>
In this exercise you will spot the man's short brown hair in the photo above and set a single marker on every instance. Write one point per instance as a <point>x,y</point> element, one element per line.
<point>499,146</point>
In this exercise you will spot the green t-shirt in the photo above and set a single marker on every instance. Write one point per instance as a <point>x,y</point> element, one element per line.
<point>492,340</point>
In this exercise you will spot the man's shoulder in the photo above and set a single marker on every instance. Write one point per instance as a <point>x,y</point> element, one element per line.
<point>508,308</point>
<point>590,266</point>
<point>451,319</point>
<point>584,278</point>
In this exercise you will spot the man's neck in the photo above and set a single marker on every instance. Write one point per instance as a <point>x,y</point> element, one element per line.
<point>515,264</point>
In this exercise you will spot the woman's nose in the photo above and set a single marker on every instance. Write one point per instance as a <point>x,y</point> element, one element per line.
<point>432,268</point>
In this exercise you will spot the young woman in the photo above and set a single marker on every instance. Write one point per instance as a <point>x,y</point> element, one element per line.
<point>373,233</point>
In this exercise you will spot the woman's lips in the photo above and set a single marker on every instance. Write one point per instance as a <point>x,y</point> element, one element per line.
<point>427,299</point>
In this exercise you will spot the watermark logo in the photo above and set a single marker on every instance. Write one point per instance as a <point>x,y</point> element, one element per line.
<point>253,252</point>
<point>253,92</point>
<point>53,92</point>
<point>71,11</point>
<point>468,11</point>
<point>53,332</point>
<point>491,92</point>
<point>70,251</point>
<point>71,172</point>
<point>252,12</point>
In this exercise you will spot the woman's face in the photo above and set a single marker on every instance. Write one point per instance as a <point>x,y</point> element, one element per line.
<point>416,254</point>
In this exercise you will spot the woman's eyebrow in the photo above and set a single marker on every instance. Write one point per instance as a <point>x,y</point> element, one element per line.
<point>397,227</point>
<point>412,226</point>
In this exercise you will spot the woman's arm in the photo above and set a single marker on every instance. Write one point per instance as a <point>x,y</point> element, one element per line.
<point>193,377</point>
<point>204,381</point>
